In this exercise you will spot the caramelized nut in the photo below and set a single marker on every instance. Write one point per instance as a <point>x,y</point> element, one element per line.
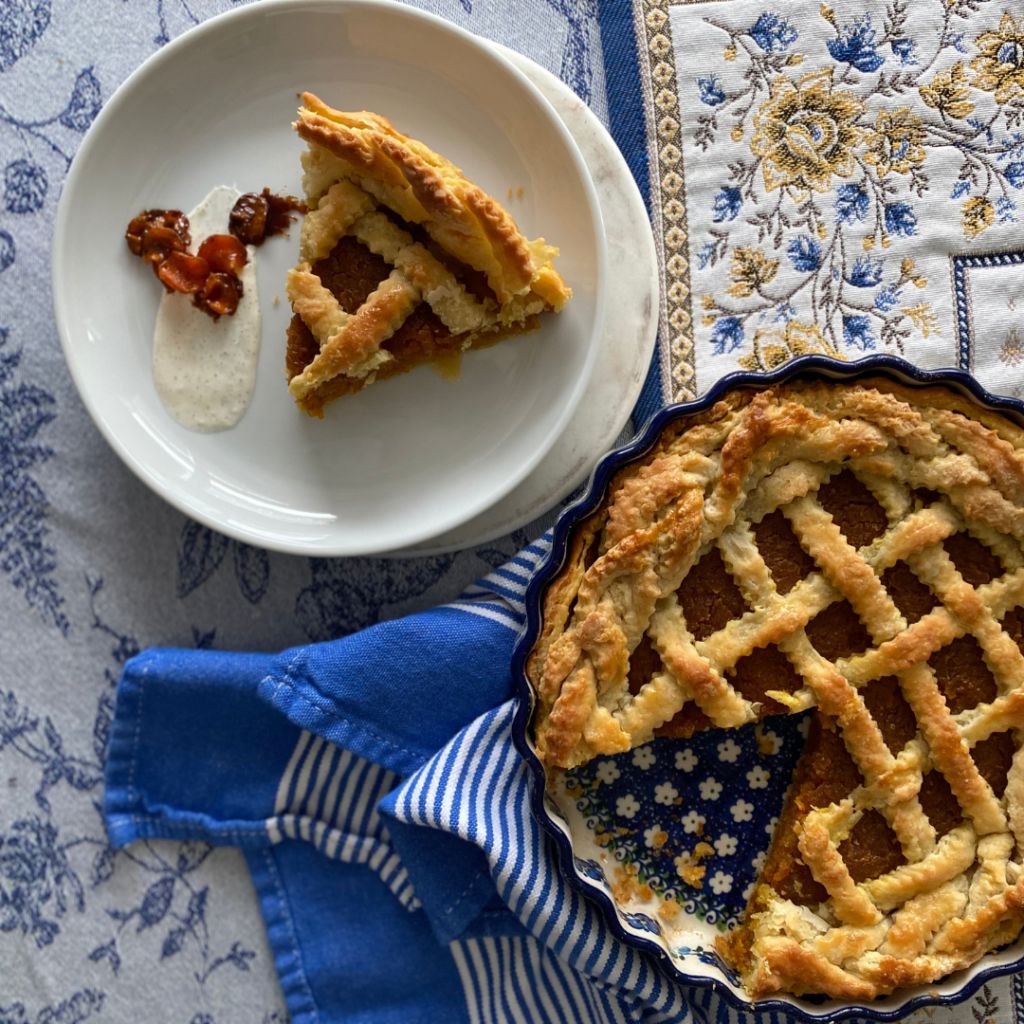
<point>220,295</point>
<point>257,216</point>
<point>174,220</point>
<point>248,220</point>
<point>159,243</point>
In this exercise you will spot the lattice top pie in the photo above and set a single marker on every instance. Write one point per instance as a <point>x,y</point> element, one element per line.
<point>402,260</point>
<point>851,548</point>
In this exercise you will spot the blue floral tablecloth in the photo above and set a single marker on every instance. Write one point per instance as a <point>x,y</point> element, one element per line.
<point>841,179</point>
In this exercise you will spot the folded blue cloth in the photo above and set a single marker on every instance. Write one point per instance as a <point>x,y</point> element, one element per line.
<point>436,898</point>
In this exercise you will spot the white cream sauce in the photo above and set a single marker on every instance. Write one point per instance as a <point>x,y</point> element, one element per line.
<point>205,369</point>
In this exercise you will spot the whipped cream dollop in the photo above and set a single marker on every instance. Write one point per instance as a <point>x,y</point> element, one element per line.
<point>205,369</point>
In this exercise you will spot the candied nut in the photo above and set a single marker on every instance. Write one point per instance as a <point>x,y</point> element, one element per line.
<point>224,253</point>
<point>257,216</point>
<point>183,273</point>
<point>161,238</point>
<point>248,219</point>
<point>220,295</point>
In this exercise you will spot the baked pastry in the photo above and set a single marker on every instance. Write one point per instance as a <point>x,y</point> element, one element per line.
<point>853,548</point>
<point>402,260</point>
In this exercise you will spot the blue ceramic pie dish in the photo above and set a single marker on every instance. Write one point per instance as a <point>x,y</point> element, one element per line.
<point>613,814</point>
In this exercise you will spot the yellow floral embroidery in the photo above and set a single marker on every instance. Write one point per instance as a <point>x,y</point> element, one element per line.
<point>773,348</point>
<point>948,93</point>
<point>1011,351</point>
<point>805,133</point>
<point>750,270</point>
<point>978,214</point>
<point>1000,67</point>
<point>923,318</point>
<point>896,141</point>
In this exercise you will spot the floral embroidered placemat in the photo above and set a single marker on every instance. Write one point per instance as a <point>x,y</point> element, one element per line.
<point>841,179</point>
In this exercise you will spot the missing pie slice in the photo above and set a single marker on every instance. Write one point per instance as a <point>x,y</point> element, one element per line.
<point>855,549</point>
<point>402,260</point>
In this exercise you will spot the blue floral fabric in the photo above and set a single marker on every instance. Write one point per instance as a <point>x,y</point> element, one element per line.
<point>95,568</point>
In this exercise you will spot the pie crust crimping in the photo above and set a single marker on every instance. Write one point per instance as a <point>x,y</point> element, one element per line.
<point>438,240</point>
<point>871,536</point>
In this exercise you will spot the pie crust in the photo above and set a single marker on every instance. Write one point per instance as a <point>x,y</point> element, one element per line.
<point>445,242</point>
<point>923,715</point>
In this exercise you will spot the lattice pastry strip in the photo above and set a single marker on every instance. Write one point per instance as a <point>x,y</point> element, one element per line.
<point>818,842</point>
<point>350,344</point>
<point>447,296</point>
<point>887,776</point>
<point>954,895</point>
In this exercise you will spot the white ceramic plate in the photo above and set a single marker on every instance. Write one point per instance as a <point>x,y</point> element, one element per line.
<point>630,330</point>
<point>396,464</point>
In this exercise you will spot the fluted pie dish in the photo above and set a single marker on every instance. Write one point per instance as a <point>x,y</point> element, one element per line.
<point>839,541</point>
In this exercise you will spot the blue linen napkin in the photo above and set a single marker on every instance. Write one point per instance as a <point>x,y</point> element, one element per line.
<point>436,898</point>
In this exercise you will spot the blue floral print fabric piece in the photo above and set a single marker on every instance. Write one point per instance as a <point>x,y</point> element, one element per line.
<point>818,166</point>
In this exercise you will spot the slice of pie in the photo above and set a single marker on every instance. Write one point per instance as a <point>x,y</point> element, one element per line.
<point>402,260</point>
<point>855,549</point>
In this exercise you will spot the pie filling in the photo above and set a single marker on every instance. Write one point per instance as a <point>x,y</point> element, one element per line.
<point>882,585</point>
<point>351,273</point>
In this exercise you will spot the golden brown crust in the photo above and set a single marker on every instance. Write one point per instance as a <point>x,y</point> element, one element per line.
<point>424,188</point>
<point>706,484</point>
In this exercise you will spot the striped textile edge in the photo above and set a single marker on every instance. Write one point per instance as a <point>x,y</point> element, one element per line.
<point>328,797</point>
<point>499,596</point>
<point>477,788</point>
<point>516,979</point>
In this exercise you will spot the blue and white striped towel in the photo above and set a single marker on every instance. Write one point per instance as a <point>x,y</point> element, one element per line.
<point>436,898</point>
